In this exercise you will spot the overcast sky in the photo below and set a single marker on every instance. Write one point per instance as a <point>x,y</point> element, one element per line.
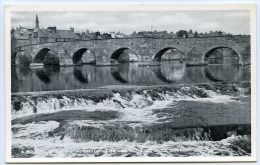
<point>235,22</point>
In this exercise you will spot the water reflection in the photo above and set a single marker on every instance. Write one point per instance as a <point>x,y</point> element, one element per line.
<point>160,76</point>
<point>77,72</point>
<point>219,73</point>
<point>89,76</point>
<point>46,72</point>
<point>210,77</point>
<point>21,78</point>
<point>128,71</point>
<point>172,71</point>
<point>115,72</point>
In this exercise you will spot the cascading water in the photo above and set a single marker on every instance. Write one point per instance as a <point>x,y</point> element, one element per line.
<point>130,121</point>
<point>141,99</point>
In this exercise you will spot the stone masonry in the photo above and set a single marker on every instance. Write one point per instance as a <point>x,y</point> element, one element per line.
<point>146,49</point>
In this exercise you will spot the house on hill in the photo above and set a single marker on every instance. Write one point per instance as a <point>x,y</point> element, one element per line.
<point>28,36</point>
<point>46,35</point>
<point>67,35</point>
<point>21,36</point>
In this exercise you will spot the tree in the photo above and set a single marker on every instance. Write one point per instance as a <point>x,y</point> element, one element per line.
<point>196,34</point>
<point>182,33</point>
<point>190,31</point>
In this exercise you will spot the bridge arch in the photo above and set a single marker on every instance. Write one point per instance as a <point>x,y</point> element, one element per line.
<point>211,50</point>
<point>159,54</point>
<point>47,56</point>
<point>116,54</point>
<point>78,53</point>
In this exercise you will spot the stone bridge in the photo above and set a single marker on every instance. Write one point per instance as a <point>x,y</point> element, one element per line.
<point>194,50</point>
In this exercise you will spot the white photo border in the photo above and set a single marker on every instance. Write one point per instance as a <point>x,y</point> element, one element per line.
<point>129,7</point>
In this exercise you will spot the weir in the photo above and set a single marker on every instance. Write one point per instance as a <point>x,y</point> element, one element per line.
<point>168,117</point>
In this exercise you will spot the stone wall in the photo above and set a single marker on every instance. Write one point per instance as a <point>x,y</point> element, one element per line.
<point>194,49</point>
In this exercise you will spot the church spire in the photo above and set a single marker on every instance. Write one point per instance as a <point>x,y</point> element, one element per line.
<point>37,22</point>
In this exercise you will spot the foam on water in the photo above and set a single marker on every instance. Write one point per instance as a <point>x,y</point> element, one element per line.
<point>133,102</point>
<point>54,147</point>
<point>136,109</point>
<point>33,129</point>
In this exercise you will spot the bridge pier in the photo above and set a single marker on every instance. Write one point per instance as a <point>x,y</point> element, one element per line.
<point>194,56</point>
<point>103,58</point>
<point>65,62</point>
<point>64,58</point>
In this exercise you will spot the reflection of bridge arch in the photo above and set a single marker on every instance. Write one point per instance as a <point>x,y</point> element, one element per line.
<point>171,71</point>
<point>44,73</point>
<point>116,75</point>
<point>211,50</point>
<point>210,77</point>
<point>77,72</point>
<point>47,56</point>
<point>220,73</point>
<point>78,53</point>
<point>160,76</point>
<point>160,53</point>
<point>116,54</point>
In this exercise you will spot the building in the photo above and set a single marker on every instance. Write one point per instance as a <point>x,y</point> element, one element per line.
<point>37,35</point>
<point>22,36</point>
<point>113,34</point>
<point>107,36</point>
<point>119,35</point>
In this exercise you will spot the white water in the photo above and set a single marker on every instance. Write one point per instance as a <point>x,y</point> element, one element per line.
<point>40,145</point>
<point>131,106</point>
<point>137,110</point>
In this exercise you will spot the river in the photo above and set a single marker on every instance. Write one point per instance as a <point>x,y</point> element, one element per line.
<point>51,78</point>
<point>128,110</point>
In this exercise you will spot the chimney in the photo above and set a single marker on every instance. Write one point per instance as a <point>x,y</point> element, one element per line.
<point>54,29</point>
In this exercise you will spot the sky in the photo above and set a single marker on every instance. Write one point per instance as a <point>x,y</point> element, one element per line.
<point>229,21</point>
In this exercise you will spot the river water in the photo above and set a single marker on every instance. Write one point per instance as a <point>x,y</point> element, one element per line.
<point>130,111</point>
<point>89,76</point>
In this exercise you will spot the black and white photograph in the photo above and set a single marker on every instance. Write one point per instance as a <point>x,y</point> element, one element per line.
<point>149,82</point>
